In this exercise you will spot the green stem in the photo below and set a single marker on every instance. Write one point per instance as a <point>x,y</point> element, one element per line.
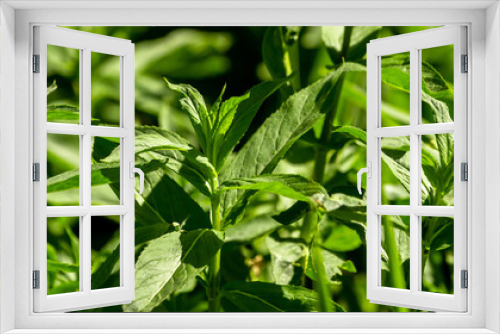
<point>214,267</point>
<point>310,234</point>
<point>291,60</point>
<point>322,284</point>
<point>306,233</point>
<point>435,200</point>
<point>395,265</point>
<point>326,131</point>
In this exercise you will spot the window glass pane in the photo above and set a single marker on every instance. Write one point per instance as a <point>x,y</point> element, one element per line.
<point>63,253</point>
<point>105,81</point>
<point>395,171</point>
<point>105,244</point>
<point>105,171</point>
<point>437,254</point>
<point>395,252</point>
<point>395,89</point>
<point>438,169</point>
<point>437,84</point>
<point>63,72</point>
<point>63,177</point>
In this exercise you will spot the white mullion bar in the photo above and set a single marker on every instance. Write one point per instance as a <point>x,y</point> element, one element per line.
<point>434,211</point>
<point>431,129</point>
<point>108,210</point>
<point>85,171</point>
<point>79,130</point>
<point>40,156</point>
<point>127,221</point>
<point>423,39</point>
<point>392,210</point>
<point>66,211</point>
<point>415,175</point>
<point>108,131</point>
<point>373,183</point>
<point>79,211</point>
<point>68,129</point>
<point>396,131</point>
<point>406,210</point>
<point>423,129</point>
<point>460,155</point>
<point>85,256</point>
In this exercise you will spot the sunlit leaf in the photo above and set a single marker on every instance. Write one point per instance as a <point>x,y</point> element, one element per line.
<point>235,116</point>
<point>194,104</point>
<point>294,118</point>
<point>292,186</point>
<point>285,254</point>
<point>169,265</point>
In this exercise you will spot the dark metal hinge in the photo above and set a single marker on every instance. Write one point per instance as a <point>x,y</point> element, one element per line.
<point>465,64</point>
<point>464,171</point>
<point>36,172</point>
<point>465,279</point>
<point>36,279</point>
<point>36,63</point>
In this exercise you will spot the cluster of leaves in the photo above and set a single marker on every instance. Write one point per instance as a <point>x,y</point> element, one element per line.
<point>204,237</point>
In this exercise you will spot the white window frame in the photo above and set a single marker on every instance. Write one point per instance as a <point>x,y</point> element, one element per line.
<point>17,20</point>
<point>413,44</point>
<point>85,43</point>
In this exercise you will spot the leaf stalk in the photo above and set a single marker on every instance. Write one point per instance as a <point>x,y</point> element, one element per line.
<point>214,267</point>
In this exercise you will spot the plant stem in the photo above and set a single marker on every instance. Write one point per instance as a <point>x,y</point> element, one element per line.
<point>395,265</point>
<point>322,284</point>
<point>291,60</point>
<point>320,159</point>
<point>214,266</point>
<point>435,200</point>
<point>310,234</point>
<point>396,271</point>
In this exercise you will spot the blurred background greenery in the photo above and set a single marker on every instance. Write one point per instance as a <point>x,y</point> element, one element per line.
<point>208,58</point>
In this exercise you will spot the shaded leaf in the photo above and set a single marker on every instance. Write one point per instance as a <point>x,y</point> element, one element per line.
<point>185,161</point>
<point>333,37</point>
<point>292,214</point>
<point>251,229</point>
<point>164,201</point>
<point>100,276</point>
<point>334,266</point>
<point>442,237</point>
<point>55,266</point>
<point>268,297</point>
<point>52,88</point>
<point>340,238</point>
<point>273,53</point>
<point>146,233</point>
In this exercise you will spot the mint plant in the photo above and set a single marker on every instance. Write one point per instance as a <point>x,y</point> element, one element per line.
<point>200,225</point>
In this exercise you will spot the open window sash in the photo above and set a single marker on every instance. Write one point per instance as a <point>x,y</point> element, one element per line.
<point>83,295</point>
<point>414,296</point>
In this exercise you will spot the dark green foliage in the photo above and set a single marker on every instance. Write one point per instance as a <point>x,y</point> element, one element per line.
<point>232,217</point>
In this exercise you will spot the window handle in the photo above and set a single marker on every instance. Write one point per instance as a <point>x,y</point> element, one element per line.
<point>368,171</point>
<point>134,170</point>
